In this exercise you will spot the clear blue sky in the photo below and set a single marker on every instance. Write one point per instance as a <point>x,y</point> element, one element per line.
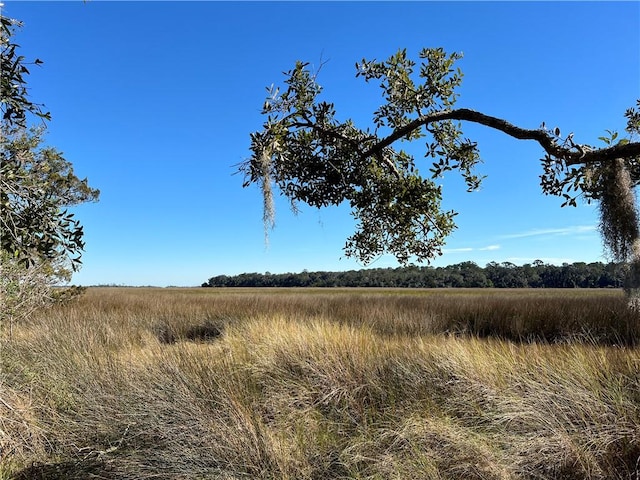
<point>154,103</point>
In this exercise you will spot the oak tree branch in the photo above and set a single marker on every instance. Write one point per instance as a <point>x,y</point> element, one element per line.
<point>544,138</point>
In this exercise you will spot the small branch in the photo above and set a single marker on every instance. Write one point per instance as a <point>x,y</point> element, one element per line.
<point>354,143</point>
<point>628,150</point>
<point>546,141</point>
<point>390,164</point>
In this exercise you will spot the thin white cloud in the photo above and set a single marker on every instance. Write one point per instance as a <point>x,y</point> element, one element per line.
<point>470,249</point>
<point>575,230</point>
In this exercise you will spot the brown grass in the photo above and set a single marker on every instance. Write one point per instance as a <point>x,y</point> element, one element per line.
<point>321,384</point>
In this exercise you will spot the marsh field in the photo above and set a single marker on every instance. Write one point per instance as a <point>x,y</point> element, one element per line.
<point>135,383</point>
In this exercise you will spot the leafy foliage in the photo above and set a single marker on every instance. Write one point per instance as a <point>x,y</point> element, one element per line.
<point>589,180</point>
<point>313,157</point>
<point>37,184</point>
<point>633,120</point>
<point>317,159</point>
<point>40,240</point>
<point>15,103</point>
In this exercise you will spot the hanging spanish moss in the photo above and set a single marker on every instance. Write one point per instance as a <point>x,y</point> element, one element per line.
<point>619,224</point>
<point>618,211</point>
<point>632,286</point>
<point>269,212</point>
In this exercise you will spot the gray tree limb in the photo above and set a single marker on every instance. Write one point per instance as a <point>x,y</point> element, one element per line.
<point>572,155</point>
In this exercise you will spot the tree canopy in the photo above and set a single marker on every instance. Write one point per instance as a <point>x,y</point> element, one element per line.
<point>40,240</point>
<point>36,182</point>
<point>312,157</point>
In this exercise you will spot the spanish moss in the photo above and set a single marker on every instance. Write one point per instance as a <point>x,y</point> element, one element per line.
<point>619,225</point>
<point>618,212</point>
<point>269,211</point>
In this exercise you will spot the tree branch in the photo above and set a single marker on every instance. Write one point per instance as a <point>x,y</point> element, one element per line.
<point>355,144</point>
<point>545,139</point>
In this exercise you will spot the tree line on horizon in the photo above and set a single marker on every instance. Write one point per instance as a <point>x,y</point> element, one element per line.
<point>461,275</point>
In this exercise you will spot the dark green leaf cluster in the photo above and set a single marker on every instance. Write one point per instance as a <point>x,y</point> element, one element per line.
<point>314,158</point>
<point>590,180</point>
<point>400,216</point>
<point>37,184</point>
<point>454,153</point>
<point>403,97</point>
<point>633,119</point>
<point>14,100</point>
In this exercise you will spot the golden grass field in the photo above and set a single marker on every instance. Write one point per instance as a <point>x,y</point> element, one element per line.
<point>133,383</point>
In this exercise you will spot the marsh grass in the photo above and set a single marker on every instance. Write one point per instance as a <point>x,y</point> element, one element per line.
<point>321,384</point>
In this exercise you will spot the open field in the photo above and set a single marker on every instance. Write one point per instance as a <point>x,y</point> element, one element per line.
<point>131,383</point>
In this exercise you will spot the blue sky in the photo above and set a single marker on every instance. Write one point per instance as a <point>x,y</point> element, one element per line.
<point>154,103</point>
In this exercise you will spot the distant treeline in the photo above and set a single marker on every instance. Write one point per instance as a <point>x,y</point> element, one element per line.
<point>463,275</point>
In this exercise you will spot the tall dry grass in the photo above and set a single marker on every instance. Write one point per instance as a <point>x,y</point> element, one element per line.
<point>310,384</point>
